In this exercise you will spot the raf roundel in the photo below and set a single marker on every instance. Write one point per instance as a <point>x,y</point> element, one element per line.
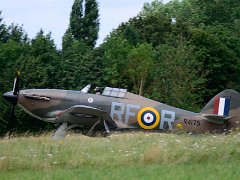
<point>90,100</point>
<point>148,118</point>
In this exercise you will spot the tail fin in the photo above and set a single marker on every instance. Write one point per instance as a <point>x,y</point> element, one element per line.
<point>223,103</point>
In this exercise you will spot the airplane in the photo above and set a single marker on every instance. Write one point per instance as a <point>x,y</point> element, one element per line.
<point>117,108</point>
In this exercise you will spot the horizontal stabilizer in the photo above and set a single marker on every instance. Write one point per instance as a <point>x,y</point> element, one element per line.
<point>214,118</point>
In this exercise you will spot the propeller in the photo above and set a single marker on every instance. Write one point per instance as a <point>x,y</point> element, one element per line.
<point>16,84</point>
<point>12,97</point>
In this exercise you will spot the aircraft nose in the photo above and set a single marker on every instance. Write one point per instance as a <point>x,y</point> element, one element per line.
<point>10,97</point>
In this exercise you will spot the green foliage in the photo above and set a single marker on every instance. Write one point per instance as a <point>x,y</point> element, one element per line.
<point>78,66</point>
<point>196,49</point>
<point>132,35</point>
<point>42,44</point>
<point>3,30</point>
<point>39,68</point>
<point>218,59</point>
<point>153,28</point>
<point>140,65</point>
<point>77,70</point>
<point>178,78</point>
<point>84,22</point>
<point>116,51</point>
<point>218,12</point>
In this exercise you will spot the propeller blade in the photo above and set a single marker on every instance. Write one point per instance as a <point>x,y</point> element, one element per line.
<point>16,84</point>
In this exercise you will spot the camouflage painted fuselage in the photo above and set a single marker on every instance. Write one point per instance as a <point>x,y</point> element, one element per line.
<point>127,112</point>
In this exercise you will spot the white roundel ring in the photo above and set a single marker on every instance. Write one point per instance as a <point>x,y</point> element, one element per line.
<point>148,118</point>
<point>90,100</point>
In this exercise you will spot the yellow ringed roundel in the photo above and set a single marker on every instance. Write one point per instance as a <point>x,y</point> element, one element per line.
<point>148,118</point>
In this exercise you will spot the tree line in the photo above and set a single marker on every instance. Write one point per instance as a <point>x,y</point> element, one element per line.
<point>181,53</point>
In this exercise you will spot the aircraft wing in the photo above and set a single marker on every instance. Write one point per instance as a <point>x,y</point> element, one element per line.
<point>214,118</point>
<point>86,116</point>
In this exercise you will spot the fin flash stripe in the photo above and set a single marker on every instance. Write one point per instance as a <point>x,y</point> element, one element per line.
<point>221,106</point>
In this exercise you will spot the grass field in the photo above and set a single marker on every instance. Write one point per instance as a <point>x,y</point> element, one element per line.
<point>132,155</point>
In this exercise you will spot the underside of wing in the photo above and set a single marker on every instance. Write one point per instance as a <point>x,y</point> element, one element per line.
<point>86,117</point>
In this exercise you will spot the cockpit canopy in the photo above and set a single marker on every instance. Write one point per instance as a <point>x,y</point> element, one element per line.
<point>108,91</point>
<point>114,92</point>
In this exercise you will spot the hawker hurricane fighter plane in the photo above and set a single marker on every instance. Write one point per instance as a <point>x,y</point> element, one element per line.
<point>116,108</point>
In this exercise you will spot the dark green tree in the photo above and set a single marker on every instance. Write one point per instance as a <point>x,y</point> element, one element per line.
<point>84,21</point>
<point>78,65</point>
<point>178,78</point>
<point>116,50</point>
<point>140,66</point>
<point>132,35</point>
<point>39,68</point>
<point>3,30</point>
<point>218,59</point>
<point>72,47</point>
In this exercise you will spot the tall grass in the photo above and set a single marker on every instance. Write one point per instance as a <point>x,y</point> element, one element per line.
<point>131,153</point>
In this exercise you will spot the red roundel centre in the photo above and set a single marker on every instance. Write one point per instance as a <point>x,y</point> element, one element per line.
<point>148,117</point>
